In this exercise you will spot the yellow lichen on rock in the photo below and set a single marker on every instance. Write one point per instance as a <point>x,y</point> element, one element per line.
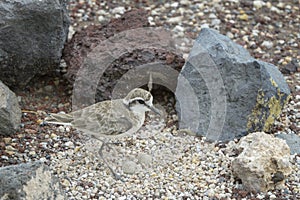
<point>275,108</point>
<point>273,82</point>
<point>254,117</point>
<point>266,111</point>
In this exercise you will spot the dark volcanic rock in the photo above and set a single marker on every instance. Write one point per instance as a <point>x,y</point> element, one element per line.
<point>10,112</point>
<point>29,181</point>
<point>223,93</point>
<point>32,36</point>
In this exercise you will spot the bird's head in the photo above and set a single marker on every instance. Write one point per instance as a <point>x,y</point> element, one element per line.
<point>140,100</point>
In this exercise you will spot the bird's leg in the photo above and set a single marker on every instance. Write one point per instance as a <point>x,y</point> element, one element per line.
<point>115,175</point>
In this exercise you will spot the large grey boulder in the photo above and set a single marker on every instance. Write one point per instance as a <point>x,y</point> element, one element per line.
<point>10,112</point>
<point>29,181</point>
<point>292,140</point>
<point>263,162</point>
<point>223,93</point>
<point>32,36</point>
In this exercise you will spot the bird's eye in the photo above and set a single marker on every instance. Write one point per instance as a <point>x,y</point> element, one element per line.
<point>141,101</point>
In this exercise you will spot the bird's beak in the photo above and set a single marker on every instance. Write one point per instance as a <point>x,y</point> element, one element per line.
<point>155,110</point>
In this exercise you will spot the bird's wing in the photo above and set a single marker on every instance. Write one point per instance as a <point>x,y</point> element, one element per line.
<point>102,122</point>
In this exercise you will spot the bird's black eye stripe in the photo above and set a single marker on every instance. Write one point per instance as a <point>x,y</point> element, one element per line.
<point>141,101</point>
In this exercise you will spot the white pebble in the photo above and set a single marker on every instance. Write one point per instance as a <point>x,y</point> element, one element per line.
<point>258,4</point>
<point>129,167</point>
<point>267,44</point>
<point>118,10</point>
<point>61,129</point>
<point>175,4</point>
<point>175,20</point>
<point>69,144</point>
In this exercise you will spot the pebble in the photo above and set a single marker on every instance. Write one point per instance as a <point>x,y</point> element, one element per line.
<point>258,4</point>
<point>4,158</point>
<point>10,148</point>
<point>32,153</point>
<point>7,140</point>
<point>174,20</point>
<point>69,144</point>
<point>174,5</point>
<point>267,44</point>
<point>53,136</point>
<point>61,129</point>
<point>230,35</point>
<point>129,167</point>
<point>145,159</point>
<point>118,10</point>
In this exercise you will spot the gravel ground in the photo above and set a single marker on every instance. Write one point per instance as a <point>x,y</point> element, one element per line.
<point>158,162</point>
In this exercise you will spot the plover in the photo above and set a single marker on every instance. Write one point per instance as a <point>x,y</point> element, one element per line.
<point>109,119</point>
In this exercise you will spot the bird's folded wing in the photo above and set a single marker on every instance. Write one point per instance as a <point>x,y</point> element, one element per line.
<point>101,125</point>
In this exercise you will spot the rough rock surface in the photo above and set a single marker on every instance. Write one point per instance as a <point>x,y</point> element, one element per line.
<point>86,40</point>
<point>232,93</point>
<point>293,141</point>
<point>263,162</point>
<point>29,181</point>
<point>32,36</point>
<point>10,112</point>
<point>119,56</point>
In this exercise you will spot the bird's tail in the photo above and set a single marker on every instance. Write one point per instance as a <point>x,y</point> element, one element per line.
<point>60,119</point>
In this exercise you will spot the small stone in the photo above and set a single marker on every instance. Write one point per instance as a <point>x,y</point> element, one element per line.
<point>101,18</point>
<point>215,22</point>
<point>258,4</point>
<point>230,35</point>
<point>4,157</point>
<point>145,158</point>
<point>244,17</point>
<point>129,167</point>
<point>212,16</point>
<point>175,20</point>
<point>68,129</point>
<point>56,145</point>
<point>10,148</point>
<point>267,44</point>
<point>10,152</point>
<point>7,140</point>
<point>69,144</point>
<point>274,9</point>
<point>174,5</point>
<point>61,129</point>
<point>185,2</point>
<point>260,196</point>
<point>280,5</point>
<point>53,136</point>
<point>65,182</point>
<point>32,153</point>
<point>118,10</point>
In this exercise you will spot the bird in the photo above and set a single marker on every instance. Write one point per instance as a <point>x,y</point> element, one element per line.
<point>109,119</point>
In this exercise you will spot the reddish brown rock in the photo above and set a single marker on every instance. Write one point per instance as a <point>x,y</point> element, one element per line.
<point>86,40</point>
<point>98,58</point>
